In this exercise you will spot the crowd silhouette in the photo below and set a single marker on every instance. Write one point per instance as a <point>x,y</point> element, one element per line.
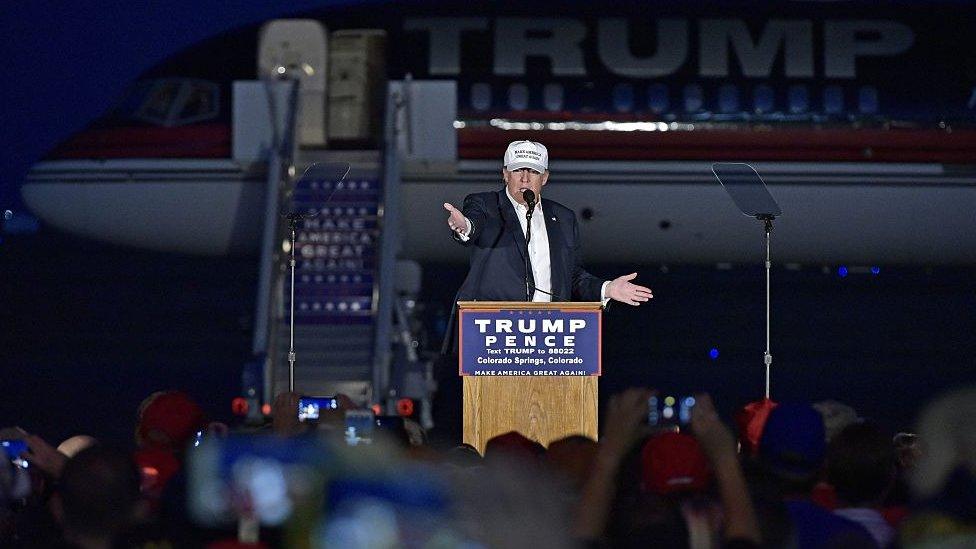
<point>790,474</point>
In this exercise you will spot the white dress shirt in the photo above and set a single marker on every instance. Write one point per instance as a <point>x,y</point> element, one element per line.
<point>538,247</point>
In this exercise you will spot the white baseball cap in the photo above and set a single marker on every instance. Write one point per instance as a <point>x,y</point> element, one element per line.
<point>526,154</point>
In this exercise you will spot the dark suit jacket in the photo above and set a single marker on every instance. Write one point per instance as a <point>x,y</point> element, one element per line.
<point>497,245</point>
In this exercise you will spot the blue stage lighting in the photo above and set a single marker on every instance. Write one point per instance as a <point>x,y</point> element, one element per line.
<point>875,270</point>
<point>867,100</point>
<point>763,99</point>
<point>713,353</point>
<point>694,98</point>
<point>623,98</point>
<point>552,97</point>
<point>657,98</point>
<point>518,97</point>
<point>728,99</point>
<point>480,96</point>
<point>799,99</point>
<point>833,99</point>
<point>842,271</point>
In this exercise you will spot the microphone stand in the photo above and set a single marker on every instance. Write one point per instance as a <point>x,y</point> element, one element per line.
<point>293,219</point>
<point>751,196</point>
<point>767,228</point>
<point>528,237</point>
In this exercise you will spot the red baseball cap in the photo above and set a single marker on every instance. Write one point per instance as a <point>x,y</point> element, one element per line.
<point>672,463</point>
<point>173,414</point>
<point>751,419</point>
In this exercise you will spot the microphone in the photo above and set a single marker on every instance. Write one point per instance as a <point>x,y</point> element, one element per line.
<point>529,198</point>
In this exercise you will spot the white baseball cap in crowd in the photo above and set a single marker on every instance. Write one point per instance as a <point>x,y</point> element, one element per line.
<point>526,154</point>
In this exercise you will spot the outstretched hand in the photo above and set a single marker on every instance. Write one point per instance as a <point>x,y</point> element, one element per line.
<point>456,220</point>
<point>623,290</point>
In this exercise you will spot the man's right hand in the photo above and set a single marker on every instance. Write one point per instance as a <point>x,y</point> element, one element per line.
<point>456,220</point>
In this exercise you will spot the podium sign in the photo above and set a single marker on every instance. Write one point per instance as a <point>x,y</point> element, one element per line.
<point>521,339</point>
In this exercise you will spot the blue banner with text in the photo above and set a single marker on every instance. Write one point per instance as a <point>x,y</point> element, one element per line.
<point>530,342</point>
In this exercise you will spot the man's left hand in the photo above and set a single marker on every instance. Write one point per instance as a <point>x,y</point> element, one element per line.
<point>625,291</point>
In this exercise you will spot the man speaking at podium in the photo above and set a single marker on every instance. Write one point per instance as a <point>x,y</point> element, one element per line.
<point>525,247</point>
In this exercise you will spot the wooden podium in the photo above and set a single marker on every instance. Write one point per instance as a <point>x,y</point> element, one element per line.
<point>536,400</point>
